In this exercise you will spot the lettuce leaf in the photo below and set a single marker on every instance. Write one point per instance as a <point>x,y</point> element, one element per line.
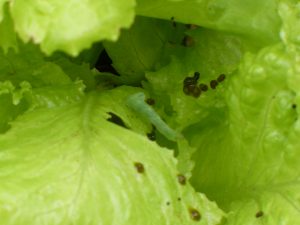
<point>86,170</point>
<point>69,26</point>
<point>255,19</point>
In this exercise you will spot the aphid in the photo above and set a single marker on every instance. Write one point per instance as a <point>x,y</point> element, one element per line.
<point>188,41</point>
<point>221,77</point>
<point>191,26</point>
<point>203,87</point>
<point>150,101</point>
<point>173,21</point>
<point>181,179</point>
<point>139,167</point>
<point>195,215</point>
<point>213,84</point>
<point>294,106</point>
<point>196,92</point>
<point>259,214</point>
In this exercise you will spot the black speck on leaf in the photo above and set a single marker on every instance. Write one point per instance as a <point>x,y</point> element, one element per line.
<point>294,106</point>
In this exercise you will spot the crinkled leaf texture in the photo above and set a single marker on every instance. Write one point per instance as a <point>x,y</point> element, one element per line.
<point>70,25</point>
<point>68,165</point>
<point>248,159</point>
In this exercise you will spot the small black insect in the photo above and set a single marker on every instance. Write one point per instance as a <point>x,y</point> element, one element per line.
<point>150,101</point>
<point>294,106</point>
<point>195,215</point>
<point>203,87</point>
<point>139,167</point>
<point>188,41</point>
<point>181,179</point>
<point>259,214</point>
<point>221,77</point>
<point>213,84</point>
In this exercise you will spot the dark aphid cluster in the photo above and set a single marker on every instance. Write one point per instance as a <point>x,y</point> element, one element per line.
<point>195,215</point>
<point>139,167</point>
<point>181,179</point>
<point>190,86</point>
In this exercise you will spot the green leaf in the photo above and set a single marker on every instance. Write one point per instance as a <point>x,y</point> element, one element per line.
<point>8,37</point>
<point>252,18</point>
<point>248,160</point>
<point>84,170</point>
<point>70,26</point>
<point>213,53</point>
<point>142,47</point>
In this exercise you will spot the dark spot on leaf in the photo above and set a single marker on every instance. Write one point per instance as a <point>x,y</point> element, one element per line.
<point>116,120</point>
<point>213,84</point>
<point>221,78</point>
<point>294,106</point>
<point>150,101</point>
<point>168,203</point>
<point>195,215</point>
<point>179,199</point>
<point>181,179</point>
<point>139,167</point>
<point>203,87</point>
<point>259,214</point>
<point>188,41</point>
